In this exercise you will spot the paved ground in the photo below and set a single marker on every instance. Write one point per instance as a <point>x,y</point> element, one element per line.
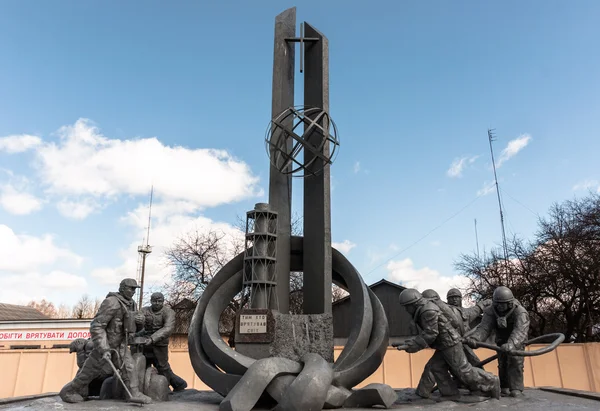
<point>534,400</point>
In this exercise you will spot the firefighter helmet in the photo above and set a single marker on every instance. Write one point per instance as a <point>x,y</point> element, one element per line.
<point>409,296</point>
<point>503,295</point>
<point>432,294</point>
<point>454,292</point>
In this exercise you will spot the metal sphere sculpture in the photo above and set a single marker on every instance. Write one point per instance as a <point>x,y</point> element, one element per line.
<point>288,145</point>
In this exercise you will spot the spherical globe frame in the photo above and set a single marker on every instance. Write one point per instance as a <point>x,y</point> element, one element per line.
<point>301,115</point>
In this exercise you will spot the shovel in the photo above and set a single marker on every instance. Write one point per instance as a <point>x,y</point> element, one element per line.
<point>118,376</point>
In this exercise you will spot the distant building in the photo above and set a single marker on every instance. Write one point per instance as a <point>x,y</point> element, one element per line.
<point>10,312</point>
<point>400,322</point>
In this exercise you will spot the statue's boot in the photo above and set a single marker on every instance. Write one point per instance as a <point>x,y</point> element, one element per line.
<point>71,393</point>
<point>505,392</point>
<point>516,393</point>
<point>138,397</point>
<point>175,381</point>
<point>496,390</point>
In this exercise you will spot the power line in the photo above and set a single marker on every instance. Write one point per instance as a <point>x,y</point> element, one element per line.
<point>521,204</point>
<point>426,235</point>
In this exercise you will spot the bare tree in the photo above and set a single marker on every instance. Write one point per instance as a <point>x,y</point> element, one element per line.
<point>64,311</point>
<point>86,307</point>
<point>196,257</point>
<point>555,276</point>
<point>45,307</point>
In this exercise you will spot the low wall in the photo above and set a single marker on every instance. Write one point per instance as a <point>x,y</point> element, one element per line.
<point>575,366</point>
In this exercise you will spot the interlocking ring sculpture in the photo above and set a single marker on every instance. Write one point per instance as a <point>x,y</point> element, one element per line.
<point>306,153</point>
<point>311,383</point>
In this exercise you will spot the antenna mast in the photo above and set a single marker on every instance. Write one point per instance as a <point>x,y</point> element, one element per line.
<point>143,251</point>
<point>476,238</point>
<point>491,138</point>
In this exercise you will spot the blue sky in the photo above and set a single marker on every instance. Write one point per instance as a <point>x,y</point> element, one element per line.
<point>100,100</point>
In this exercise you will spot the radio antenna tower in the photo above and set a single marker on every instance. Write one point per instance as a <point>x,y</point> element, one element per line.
<point>143,251</point>
<point>476,238</point>
<point>491,138</point>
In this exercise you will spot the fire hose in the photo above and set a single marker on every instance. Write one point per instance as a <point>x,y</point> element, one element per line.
<point>557,339</point>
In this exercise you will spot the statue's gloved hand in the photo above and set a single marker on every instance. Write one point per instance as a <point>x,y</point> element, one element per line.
<point>413,347</point>
<point>107,356</point>
<point>507,347</point>
<point>471,342</point>
<point>139,318</point>
<point>149,341</point>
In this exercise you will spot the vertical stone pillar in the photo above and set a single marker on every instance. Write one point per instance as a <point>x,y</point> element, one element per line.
<point>280,185</point>
<point>317,189</point>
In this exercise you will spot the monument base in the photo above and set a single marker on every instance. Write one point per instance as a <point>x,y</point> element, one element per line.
<point>296,335</point>
<point>287,335</point>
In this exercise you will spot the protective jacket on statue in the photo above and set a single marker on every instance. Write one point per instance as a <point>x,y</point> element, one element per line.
<point>437,332</point>
<point>159,324</point>
<point>427,381</point>
<point>467,314</point>
<point>510,321</point>
<point>115,321</point>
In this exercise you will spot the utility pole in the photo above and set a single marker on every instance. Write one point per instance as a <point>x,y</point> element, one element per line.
<point>476,239</point>
<point>143,251</point>
<point>491,138</point>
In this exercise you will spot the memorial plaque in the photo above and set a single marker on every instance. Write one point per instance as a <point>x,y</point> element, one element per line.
<point>253,323</point>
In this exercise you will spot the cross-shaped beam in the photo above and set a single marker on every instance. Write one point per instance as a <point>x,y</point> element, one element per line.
<point>302,40</point>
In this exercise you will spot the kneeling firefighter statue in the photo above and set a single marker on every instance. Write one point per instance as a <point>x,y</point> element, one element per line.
<point>115,322</point>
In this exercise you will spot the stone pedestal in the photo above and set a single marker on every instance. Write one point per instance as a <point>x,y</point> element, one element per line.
<point>254,331</point>
<point>265,333</point>
<point>296,335</point>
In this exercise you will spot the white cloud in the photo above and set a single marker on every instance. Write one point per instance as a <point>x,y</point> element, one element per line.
<point>28,268</point>
<point>436,243</point>
<point>406,274</point>
<point>344,247</point>
<point>488,187</point>
<point>458,165</point>
<point>356,167</point>
<point>513,147</point>
<point>25,253</point>
<point>587,185</point>
<point>22,288</point>
<point>85,169</point>
<point>18,202</point>
<point>166,229</point>
<point>77,210</point>
<point>19,143</point>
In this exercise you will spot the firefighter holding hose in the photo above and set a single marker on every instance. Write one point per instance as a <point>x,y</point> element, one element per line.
<point>510,321</point>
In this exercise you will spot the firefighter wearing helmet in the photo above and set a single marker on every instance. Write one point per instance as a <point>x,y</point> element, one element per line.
<point>454,297</point>
<point>510,321</point>
<point>437,332</point>
<point>467,314</point>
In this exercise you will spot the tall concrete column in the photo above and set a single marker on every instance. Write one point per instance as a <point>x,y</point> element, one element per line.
<point>317,188</point>
<point>280,184</point>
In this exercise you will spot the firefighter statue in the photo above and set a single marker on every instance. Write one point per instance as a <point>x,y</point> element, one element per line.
<point>510,321</point>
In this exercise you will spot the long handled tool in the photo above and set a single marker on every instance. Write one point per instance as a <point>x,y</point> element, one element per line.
<point>118,376</point>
